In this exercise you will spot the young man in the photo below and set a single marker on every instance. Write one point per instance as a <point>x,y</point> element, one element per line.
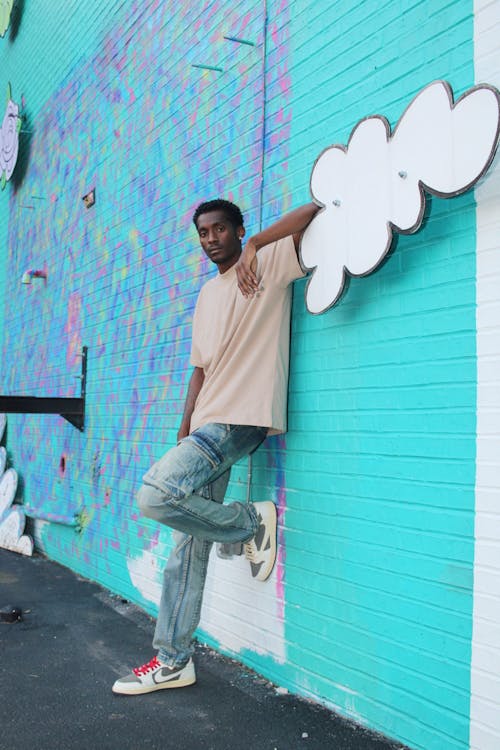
<point>237,395</point>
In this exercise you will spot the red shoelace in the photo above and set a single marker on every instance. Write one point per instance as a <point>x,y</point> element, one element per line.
<point>153,664</point>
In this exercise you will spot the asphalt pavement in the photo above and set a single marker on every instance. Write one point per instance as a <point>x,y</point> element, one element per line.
<point>58,663</point>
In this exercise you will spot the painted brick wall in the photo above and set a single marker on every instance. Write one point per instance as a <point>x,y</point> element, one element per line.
<point>370,607</point>
<point>381,450</point>
<point>129,114</point>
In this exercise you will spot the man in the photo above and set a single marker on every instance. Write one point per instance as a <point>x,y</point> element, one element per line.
<point>236,396</point>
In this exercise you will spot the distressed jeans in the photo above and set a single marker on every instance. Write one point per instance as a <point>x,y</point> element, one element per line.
<point>185,490</point>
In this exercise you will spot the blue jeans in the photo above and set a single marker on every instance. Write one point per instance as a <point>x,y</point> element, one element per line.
<point>185,490</point>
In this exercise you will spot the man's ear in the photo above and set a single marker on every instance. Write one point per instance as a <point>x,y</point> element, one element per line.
<point>240,232</point>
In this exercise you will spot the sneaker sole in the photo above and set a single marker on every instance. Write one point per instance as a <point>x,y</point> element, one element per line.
<point>141,689</point>
<point>273,529</point>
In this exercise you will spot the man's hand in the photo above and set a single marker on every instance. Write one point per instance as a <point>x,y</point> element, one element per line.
<point>245,270</point>
<point>292,224</point>
<point>183,432</point>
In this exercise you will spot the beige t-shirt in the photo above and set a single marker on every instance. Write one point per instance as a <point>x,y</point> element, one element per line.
<point>243,344</point>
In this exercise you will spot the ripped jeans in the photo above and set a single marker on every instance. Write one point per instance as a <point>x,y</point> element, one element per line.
<point>185,490</point>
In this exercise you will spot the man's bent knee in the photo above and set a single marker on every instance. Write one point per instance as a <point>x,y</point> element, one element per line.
<point>152,501</point>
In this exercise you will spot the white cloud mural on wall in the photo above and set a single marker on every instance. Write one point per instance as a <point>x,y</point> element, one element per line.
<point>12,518</point>
<point>9,139</point>
<point>376,184</point>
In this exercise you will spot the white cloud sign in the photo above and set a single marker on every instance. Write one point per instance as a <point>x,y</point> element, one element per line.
<point>376,184</point>
<point>9,139</point>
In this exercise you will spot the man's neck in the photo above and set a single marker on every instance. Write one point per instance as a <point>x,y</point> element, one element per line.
<point>223,267</point>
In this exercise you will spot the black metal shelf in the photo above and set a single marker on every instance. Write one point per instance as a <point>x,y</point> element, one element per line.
<point>71,409</point>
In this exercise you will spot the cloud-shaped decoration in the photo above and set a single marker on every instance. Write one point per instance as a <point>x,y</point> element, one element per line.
<point>5,11</point>
<point>11,532</point>
<point>8,487</point>
<point>376,184</point>
<point>12,518</point>
<point>9,140</point>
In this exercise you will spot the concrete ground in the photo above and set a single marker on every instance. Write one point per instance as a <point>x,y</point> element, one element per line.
<point>57,666</point>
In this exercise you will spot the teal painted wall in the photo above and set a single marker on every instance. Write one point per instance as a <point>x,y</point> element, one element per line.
<point>375,479</point>
<point>382,444</point>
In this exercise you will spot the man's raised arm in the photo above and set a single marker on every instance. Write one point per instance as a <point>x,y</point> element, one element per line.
<point>292,223</point>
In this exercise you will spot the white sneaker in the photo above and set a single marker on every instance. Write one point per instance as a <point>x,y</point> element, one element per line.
<point>155,676</point>
<point>261,550</point>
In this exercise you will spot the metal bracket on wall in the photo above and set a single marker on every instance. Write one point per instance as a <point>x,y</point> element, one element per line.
<point>71,409</point>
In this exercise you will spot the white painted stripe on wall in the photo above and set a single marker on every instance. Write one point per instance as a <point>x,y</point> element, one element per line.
<point>485,666</point>
<point>241,613</point>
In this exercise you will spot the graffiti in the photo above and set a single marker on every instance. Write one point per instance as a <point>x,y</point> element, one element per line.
<point>128,271</point>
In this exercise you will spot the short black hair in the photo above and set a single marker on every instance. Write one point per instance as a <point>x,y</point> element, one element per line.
<point>231,211</point>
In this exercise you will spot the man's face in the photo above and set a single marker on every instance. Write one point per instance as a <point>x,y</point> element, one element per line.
<point>220,241</point>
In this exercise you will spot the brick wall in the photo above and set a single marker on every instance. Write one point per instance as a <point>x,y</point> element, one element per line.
<point>370,607</point>
<point>380,553</point>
